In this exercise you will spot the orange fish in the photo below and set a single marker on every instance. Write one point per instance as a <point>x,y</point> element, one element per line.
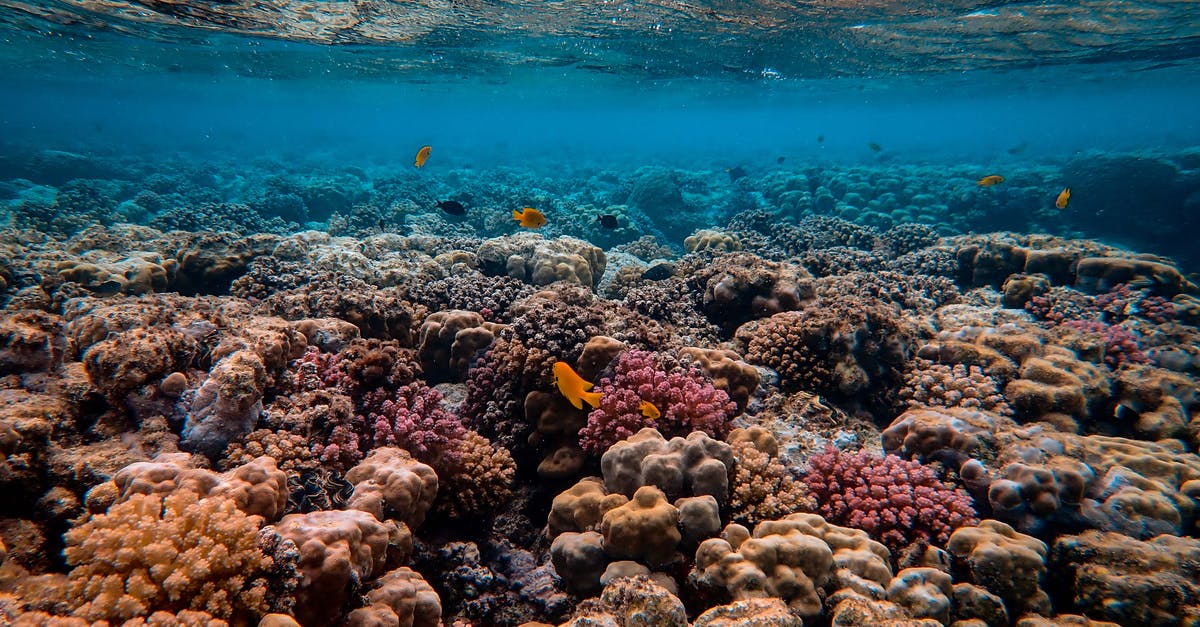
<point>573,387</point>
<point>649,410</point>
<point>990,180</point>
<point>1064,197</point>
<point>422,156</point>
<point>530,218</point>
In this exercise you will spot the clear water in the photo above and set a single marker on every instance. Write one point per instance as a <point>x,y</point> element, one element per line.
<point>958,89</point>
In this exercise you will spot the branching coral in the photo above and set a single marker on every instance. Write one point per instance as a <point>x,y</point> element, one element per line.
<point>685,398</point>
<point>175,553</point>
<point>959,385</point>
<point>898,502</point>
<point>762,487</point>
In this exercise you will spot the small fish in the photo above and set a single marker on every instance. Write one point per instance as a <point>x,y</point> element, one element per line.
<point>452,207</point>
<point>1064,197</point>
<point>529,218</point>
<point>875,147</point>
<point>735,173</point>
<point>422,156</point>
<point>780,159</point>
<point>382,224</point>
<point>573,387</point>
<point>1018,149</point>
<point>607,221</point>
<point>990,180</point>
<point>649,410</point>
<point>820,139</point>
<point>658,272</point>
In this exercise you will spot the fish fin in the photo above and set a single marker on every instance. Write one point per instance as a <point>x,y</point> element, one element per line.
<point>575,400</point>
<point>516,215</point>
<point>592,398</point>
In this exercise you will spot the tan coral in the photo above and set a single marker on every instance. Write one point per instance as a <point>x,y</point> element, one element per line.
<point>582,506</point>
<point>795,559</point>
<point>1131,582</point>
<point>1004,562</point>
<point>631,602</point>
<point>448,340</point>
<point>257,487</point>
<point>643,529</point>
<point>339,549</point>
<point>923,592</point>
<point>390,484</point>
<point>708,240</point>
<point>175,552</point>
<point>400,597</point>
<point>769,612</point>
<point>680,467</point>
<point>580,560</point>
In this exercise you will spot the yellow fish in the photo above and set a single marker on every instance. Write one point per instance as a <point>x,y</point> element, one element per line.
<point>990,180</point>
<point>649,410</point>
<point>422,156</point>
<point>573,387</point>
<point>529,218</point>
<point>1064,197</point>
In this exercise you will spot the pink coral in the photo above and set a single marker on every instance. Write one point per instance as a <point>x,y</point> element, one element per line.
<point>896,501</point>
<point>412,418</point>
<point>409,417</point>
<point>1120,344</point>
<point>685,398</point>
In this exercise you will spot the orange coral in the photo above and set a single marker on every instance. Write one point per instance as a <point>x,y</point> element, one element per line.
<point>173,553</point>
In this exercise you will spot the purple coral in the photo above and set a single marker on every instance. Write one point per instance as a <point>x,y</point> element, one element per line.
<point>410,417</point>
<point>685,398</point>
<point>895,500</point>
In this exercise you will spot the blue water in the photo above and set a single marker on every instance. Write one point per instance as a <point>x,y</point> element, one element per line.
<point>964,88</point>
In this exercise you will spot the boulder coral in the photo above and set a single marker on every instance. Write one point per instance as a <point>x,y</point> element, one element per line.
<point>390,484</point>
<point>799,559</point>
<point>1009,564</point>
<point>339,552</point>
<point>1131,582</point>
<point>691,466</point>
<point>256,488</point>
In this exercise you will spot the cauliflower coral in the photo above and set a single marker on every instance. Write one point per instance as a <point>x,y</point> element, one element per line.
<point>896,501</point>
<point>176,553</point>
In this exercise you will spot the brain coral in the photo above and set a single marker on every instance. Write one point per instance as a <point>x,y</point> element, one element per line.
<point>175,553</point>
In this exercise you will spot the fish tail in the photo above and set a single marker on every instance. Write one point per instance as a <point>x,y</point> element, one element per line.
<point>516,215</point>
<point>592,398</point>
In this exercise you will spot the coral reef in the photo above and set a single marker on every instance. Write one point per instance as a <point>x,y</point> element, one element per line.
<point>325,400</point>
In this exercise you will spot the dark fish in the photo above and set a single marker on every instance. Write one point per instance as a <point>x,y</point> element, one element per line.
<point>820,139</point>
<point>1018,149</point>
<point>608,221</point>
<point>735,173</point>
<point>874,146</point>
<point>382,224</point>
<point>780,159</point>
<point>452,207</point>
<point>658,272</point>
